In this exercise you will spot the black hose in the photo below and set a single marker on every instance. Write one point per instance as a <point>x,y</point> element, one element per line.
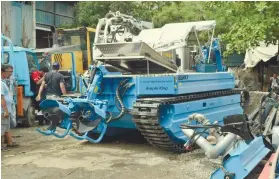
<point>186,126</point>
<point>122,112</point>
<point>92,75</point>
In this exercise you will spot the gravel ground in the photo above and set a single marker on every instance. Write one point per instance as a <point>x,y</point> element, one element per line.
<point>42,157</point>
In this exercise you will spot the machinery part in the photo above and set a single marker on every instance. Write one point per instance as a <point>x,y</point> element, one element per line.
<point>234,124</point>
<point>239,159</point>
<point>85,125</point>
<point>136,57</point>
<point>55,112</point>
<point>53,131</point>
<point>243,159</point>
<point>237,124</point>
<point>103,127</point>
<point>146,117</point>
<point>210,151</point>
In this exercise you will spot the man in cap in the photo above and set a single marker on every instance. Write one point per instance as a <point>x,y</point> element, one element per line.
<point>53,83</point>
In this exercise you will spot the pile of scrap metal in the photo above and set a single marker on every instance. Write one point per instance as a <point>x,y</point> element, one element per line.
<point>242,142</point>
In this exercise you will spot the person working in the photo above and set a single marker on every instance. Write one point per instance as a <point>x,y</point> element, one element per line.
<point>36,79</point>
<point>53,82</point>
<point>6,108</point>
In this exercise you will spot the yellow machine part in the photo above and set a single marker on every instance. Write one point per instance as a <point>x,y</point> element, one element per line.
<point>65,61</point>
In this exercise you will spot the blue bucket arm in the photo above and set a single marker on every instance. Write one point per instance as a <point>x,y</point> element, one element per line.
<point>52,132</point>
<point>67,124</point>
<point>103,127</point>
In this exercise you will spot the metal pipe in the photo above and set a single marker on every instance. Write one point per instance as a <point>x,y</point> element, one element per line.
<point>211,151</point>
<point>221,146</point>
<point>98,30</point>
<point>210,47</point>
<point>109,22</point>
<point>198,43</point>
<point>201,141</point>
<point>34,24</point>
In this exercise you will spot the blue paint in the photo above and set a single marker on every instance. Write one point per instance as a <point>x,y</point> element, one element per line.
<point>243,159</point>
<point>100,101</point>
<point>206,64</point>
<point>215,110</point>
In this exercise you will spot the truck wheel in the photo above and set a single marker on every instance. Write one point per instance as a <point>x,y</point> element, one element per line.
<point>30,116</point>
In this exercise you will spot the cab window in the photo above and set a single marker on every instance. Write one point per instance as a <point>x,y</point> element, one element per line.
<point>32,65</point>
<point>6,58</point>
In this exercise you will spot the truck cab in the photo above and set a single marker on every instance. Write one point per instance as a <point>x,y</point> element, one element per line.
<point>24,62</point>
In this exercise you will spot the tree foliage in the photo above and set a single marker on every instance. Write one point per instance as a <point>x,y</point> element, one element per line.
<point>245,24</point>
<point>240,25</point>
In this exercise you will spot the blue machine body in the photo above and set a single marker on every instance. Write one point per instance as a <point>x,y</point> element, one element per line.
<point>101,101</point>
<point>243,159</point>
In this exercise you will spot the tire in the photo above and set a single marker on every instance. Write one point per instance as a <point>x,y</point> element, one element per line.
<point>29,121</point>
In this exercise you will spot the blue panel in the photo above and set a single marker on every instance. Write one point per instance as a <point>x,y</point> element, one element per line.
<point>243,159</point>
<point>183,84</point>
<point>22,73</point>
<point>215,109</point>
<point>162,85</point>
<point>201,82</point>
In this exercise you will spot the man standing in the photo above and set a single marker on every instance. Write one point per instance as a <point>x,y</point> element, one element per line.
<point>12,86</point>
<point>274,82</point>
<point>53,82</point>
<point>6,107</point>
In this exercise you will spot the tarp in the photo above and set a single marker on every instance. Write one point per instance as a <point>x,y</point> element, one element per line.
<point>174,35</point>
<point>260,53</point>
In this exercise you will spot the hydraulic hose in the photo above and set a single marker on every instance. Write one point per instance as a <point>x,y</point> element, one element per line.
<point>118,97</point>
<point>92,75</point>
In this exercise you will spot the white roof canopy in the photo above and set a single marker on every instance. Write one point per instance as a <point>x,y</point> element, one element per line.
<point>261,53</point>
<point>173,36</point>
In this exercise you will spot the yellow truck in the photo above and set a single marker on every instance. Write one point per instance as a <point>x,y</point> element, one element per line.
<point>79,41</point>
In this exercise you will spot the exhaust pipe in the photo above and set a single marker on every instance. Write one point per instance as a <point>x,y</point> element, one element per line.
<point>211,151</point>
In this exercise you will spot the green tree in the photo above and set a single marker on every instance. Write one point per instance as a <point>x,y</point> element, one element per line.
<point>243,25</point>
<point>88,12</point>
<point>179,12</point>
<point>240,25</point>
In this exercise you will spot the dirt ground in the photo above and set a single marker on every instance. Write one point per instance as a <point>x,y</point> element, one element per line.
<point>126,157</point>
<point>42,157</point>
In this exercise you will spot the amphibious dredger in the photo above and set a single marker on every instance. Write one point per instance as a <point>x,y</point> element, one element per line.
<point>136,84</point>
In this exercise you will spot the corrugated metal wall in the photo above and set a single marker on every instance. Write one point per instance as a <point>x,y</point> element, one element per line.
<point>45,12</point>
<point>17,23</point>
<point>53,13</point>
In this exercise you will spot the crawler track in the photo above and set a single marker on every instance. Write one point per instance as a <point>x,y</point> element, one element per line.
<point>146,116</point>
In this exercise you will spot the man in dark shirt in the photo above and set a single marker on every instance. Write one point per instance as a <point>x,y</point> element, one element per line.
<point>53,82</point>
